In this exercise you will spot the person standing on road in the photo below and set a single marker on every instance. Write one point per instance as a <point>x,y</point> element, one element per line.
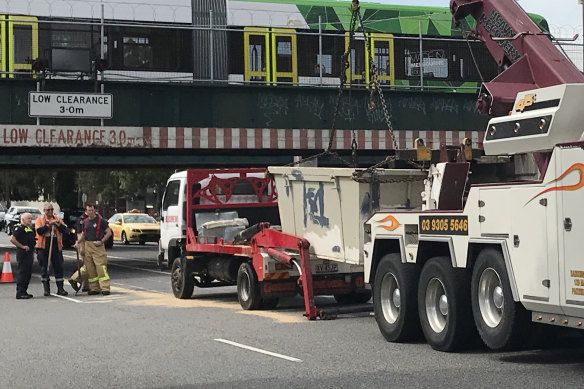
<point>93,236</point>
<point>50,229</point>
<point>24,239</point>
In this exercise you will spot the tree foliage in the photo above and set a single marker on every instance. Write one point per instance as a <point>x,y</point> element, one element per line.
<point>113,185</point>
<point>25,184</point>
<point>66,187</point>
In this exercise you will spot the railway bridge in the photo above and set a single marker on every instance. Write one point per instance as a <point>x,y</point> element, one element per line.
<point>203,125</point>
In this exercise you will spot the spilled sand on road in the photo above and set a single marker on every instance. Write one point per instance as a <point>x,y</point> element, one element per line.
<point>143,298</point>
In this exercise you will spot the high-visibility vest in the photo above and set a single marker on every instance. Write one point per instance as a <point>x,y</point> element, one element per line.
<point>42,239</point>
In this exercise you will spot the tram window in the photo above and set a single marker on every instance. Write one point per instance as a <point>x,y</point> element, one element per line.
<point>284,54</point>
<point>326,63</point>
<point>71,39</point>
<point>257,57</point>
<point>358,57</point>
<point>333,47</point>
<point>22,44</point>
<point>382,58</point>
<point>137,52</point>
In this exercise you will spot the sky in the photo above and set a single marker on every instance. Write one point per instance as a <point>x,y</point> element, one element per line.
<point>563,16</point>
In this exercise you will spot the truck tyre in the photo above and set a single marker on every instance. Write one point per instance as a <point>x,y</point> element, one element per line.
<point>394,299</point>
<point>360,297</point>
<point>501,322</point>
<point>444,305</point>
<point>182,281</point>
<point>248,289</point>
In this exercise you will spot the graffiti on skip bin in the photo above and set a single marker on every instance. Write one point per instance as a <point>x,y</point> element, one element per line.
<point>314,206</point>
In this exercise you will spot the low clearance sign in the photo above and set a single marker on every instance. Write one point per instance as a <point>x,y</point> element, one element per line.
<point>70,105</point>
<point>75,136</point>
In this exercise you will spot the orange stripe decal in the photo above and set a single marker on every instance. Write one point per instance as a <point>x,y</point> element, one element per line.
<point>577,167</point>
<point>394,223</point>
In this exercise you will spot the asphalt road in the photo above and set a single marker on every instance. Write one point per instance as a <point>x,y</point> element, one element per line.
<point>142,337</point>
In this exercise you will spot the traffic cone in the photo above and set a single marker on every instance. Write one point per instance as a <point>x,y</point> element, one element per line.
<point>6,270</point>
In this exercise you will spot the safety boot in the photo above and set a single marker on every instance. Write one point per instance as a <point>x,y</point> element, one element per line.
<point>60,290</point>
<point>47,288</point>
<point>74,285</point>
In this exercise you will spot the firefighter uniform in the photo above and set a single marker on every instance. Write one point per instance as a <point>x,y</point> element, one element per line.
<point>43,245</point>
<point>95,260</point>
<point>23,237</point>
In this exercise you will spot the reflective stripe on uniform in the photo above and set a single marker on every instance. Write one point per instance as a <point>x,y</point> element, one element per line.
<point>94,279</point>
<point>105,275</point>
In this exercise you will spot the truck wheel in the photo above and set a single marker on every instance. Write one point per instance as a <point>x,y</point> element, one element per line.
<point>501,322</point>
<point>444,305</point>
<point>360,297</point>
<point>182,281</point>
<point>394,299</point>
<point>248,291</point>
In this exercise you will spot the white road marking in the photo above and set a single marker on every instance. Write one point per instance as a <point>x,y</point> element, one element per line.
<point>139,268</point>
<point>137,287</point>
<point>67,298</point>
<point>257,350</point>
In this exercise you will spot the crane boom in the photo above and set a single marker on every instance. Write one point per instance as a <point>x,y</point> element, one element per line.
<point>529,58</point>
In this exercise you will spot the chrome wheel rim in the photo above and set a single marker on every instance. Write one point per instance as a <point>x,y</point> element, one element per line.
<point>390,298</point>
<point>177,279</point>
<point>436,305</point>
<point>490,297</point>
<point>244,291</point>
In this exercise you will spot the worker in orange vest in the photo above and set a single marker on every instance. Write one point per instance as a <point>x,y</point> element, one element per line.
<point>50,226</point>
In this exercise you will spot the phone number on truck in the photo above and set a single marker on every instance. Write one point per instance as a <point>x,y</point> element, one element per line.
<point>444,225</point>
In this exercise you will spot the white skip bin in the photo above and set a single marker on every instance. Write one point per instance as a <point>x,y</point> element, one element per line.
<point>328,207</point>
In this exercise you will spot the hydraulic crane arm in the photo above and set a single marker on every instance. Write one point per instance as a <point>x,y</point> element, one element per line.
<point>529,58</point>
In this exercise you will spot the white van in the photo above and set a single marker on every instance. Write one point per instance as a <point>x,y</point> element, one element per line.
<point>12,217</point>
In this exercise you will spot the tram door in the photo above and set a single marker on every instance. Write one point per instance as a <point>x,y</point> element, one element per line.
<point>284,56</point>
<point>19,41</point>
<point>357,72</point>
<point>383,57</point>
<point>257,64</point>
<point>270,55</point>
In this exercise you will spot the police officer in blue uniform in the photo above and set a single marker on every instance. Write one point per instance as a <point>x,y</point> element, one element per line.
<point>24,238</point>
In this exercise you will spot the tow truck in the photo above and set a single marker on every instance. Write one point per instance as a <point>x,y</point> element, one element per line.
<point>499,256</point>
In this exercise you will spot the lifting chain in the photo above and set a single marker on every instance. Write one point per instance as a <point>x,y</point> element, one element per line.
<point>374,85</point>
<point>345,65</point>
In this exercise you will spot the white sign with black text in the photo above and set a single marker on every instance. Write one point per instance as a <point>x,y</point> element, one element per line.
<point>70,105</point>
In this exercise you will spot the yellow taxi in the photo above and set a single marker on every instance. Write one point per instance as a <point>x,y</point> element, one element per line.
<point>134,226</point>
